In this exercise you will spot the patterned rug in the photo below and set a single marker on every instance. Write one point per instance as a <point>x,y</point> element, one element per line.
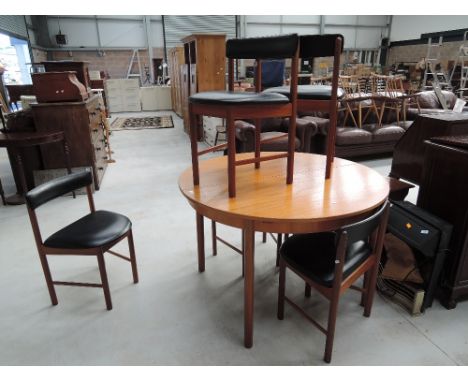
<point>162,122</point>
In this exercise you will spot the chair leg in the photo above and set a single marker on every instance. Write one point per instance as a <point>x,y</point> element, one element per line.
<point>258,130</point>
<point>371,290</point>
<point>281,289</point>
<point>404,111</point>
<point>105,283</point>
<point>48,277</point>
<point>131,247</point>
<point>365,285</point>
<point>331,327</point>
<point>279,241</point>
<point>307,291</point>
<point>2,194</point>
<point>291,149</point>
<point>231,148</point>
<point>264,237</point>
<point>360,116</point>
<point>194,146</point>
<point>214,241</point>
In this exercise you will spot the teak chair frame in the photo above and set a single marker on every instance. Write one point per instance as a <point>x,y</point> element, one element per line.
<point>44,250</point>
<point>255,112</point>
<point>309,49</point>
<point>369,268</point>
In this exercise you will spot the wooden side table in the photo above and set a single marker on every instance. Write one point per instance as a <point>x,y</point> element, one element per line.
<point>15,141</point>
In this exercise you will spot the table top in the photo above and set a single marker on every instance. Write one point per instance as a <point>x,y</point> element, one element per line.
<point>29,139</point>
<point>310,204</point>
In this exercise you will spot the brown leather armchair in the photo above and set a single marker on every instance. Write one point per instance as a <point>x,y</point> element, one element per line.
<point>272,127</point>
<point>430,104</point>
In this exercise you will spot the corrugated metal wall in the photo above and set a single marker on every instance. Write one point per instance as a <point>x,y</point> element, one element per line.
<point>177,27</point>
<point>14,24</point>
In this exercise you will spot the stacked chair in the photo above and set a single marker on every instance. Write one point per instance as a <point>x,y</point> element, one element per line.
<point>255,106</point>
<point>322,98</point>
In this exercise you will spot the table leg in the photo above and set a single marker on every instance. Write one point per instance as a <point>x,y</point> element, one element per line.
<point>66,152</point>
<point>248,284</point>
<point>200,243</point>
<point>2,194</point>
<point>18,198</point>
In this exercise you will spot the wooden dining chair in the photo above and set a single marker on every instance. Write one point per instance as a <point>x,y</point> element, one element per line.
<point>324,98</point>
<point>255,106</point>
<point>356,100</point>
<point>331,262</point>
<point>92,235</point>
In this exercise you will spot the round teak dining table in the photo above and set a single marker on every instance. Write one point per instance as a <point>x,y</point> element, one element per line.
<point>265,203</point>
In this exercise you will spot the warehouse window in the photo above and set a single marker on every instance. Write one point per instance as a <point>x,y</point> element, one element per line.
<point>15,58</point>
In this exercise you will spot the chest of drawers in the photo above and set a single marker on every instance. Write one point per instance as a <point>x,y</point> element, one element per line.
<point>84,131</point>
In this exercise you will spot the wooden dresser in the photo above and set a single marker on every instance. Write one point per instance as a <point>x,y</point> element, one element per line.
<point>443,192</point>
<point>204,68</point>
<point>84,131</point>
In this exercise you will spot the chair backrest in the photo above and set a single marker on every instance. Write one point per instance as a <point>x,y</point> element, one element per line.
<point>277,47</point>
<point>57,187</point>
<point>311,46</point>
<point>350,84</point>
<point>272,73</point>
<point>363,229</point>
<point>378,83</point>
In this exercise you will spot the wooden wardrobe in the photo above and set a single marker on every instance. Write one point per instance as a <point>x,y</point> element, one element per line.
<point>203,68</point>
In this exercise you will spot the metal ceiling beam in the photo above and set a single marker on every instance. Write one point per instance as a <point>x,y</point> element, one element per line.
<point>91,18</point>
<point>316,24</point>
<point>89,48</point>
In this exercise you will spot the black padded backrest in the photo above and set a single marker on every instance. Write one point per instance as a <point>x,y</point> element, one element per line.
<point>263,47</point>
<point>363,229</point>
<point>319,45</point>
<point>57,187</point>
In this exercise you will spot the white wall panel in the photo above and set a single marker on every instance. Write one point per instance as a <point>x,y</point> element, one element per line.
<point>349,35</point>
<point>309,19</point>
<point>411,27</point>
<point>373,20</point>
<point>134,17</point>
<point>122,33</point>
<point>256,30</point>
<point>263,19</point>
<point>306,29</point>
<point>157,36</point>
<point>335,19</point>
<point>79,32</point>
<point>368,37</point>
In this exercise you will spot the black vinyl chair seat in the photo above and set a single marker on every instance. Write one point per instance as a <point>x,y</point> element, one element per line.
<point>314,256</point>
<point>93,230</point>
<point>238,98</point>
<point>310,92</point>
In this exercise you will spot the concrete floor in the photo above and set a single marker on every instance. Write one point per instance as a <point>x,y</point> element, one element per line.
<point>176,316</point>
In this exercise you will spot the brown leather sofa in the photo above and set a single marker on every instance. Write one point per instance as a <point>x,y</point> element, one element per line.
<point>312,128</point>
<point>372,139</point>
